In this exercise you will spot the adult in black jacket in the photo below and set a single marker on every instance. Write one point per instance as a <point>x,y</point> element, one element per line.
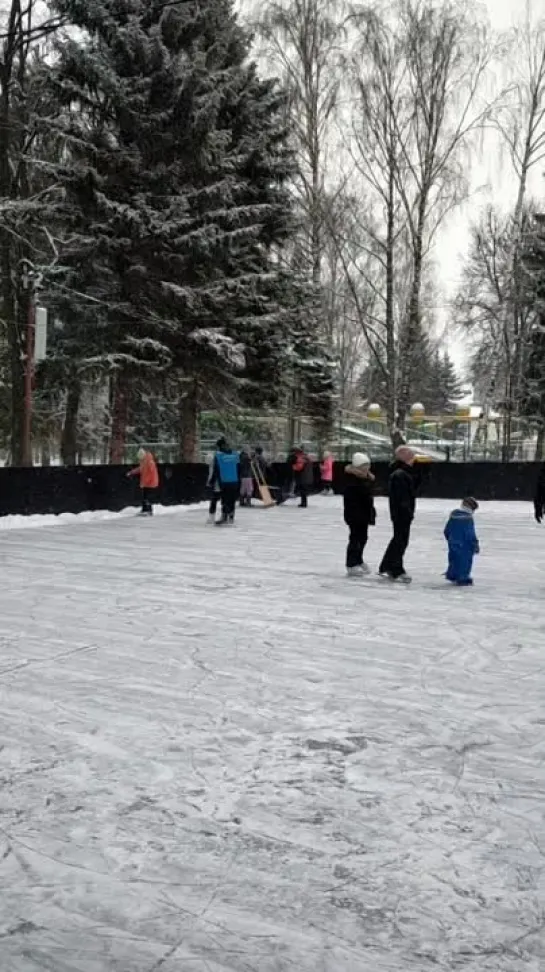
<point>539,501</point>
<point>359,511</point>
<point>402,498</point>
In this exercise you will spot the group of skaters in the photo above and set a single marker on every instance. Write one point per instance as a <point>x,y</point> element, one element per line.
<point>360,515</point>
<point>234,475</point>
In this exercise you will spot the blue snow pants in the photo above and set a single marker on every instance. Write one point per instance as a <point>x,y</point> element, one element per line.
<point>460,562</point>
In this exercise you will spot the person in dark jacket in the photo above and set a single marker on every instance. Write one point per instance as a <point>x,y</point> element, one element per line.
<point>246,478</point>
<point>226,473</point>
<point>539,501</point>
<point>359,511</point>
<point>303,471</point>
<point>402,500</point>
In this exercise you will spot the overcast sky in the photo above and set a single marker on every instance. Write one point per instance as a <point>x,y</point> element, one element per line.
<point>491,177</point>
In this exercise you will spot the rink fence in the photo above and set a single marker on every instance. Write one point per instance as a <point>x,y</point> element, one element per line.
<point>58,489</point>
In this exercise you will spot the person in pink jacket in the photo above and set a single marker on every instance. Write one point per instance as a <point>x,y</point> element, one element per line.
<point>326,472</point>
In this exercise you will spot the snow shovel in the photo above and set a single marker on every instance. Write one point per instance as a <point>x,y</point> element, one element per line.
<point>263,489</point>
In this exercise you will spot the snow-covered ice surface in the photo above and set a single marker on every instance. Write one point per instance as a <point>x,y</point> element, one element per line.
<point>218,754</point>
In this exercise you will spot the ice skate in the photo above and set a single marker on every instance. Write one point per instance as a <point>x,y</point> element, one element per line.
<point>354,572</point>
<point>400,579</point>
<point>211,519</point>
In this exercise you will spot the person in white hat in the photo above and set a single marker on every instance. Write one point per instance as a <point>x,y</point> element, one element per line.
<point>359,511</point>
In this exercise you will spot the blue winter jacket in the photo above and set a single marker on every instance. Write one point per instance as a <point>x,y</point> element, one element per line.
<point>226,468</point>
<point>460,532</point>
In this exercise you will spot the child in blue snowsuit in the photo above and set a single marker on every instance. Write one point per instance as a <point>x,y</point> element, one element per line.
<point>462,543</point>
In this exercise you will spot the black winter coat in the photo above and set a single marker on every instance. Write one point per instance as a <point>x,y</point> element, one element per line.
<point>245,466</point>
<point>358,487</point>
<point>304,476</point>
<point>402,493</point>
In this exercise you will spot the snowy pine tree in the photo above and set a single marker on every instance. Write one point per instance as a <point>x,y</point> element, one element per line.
<point>433,379</point>
<point>175,175</point>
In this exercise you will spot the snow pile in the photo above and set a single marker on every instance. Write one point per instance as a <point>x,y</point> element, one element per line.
<point>17,522</point>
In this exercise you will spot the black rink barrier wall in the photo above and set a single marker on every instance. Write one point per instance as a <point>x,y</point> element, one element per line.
<point>58,489</point>
<point>453,480</point>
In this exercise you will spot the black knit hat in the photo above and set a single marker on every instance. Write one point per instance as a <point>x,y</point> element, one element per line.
<point>471,503</point>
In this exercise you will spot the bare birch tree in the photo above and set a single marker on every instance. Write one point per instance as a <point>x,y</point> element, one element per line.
<point>447,57</point>
<point>354,293</point>
<point>380,123</point>
<point>301,41</point>
<point>23,26</point>
<point>521,123</point>
<point>481,302</point>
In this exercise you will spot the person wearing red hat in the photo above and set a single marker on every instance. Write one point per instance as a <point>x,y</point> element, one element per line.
<point>402,499</point>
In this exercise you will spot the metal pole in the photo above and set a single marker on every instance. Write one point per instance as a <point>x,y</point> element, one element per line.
<point>29,375</point>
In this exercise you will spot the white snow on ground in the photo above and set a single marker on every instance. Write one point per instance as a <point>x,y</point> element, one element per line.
<point>216,753</point>
<point>20,522</point>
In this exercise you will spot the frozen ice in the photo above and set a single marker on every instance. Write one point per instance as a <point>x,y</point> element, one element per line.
<point>219,755</point>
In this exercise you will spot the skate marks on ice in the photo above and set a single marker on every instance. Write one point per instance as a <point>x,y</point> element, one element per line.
<point>250,773</point>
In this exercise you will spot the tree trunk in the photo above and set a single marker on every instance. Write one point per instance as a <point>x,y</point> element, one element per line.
<point>8,312</point>
<point>189,424</point>
<point>17,391</point>
<point>413,316</point>
<point>391,363</point>
<point>120,415</point>
<point>46,453</point>
<point>69,439</point>
<point>407,344</point>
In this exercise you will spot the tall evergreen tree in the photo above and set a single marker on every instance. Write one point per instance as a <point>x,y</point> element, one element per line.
<point>433,379</point>
<point>175,176</point>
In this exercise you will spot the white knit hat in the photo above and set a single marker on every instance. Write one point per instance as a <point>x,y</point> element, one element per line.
<point>360,459</point>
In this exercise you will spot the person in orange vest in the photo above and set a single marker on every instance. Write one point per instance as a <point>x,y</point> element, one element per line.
<point>149,479</point>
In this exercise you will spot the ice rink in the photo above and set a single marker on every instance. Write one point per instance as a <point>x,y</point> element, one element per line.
<point>219,755</point>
